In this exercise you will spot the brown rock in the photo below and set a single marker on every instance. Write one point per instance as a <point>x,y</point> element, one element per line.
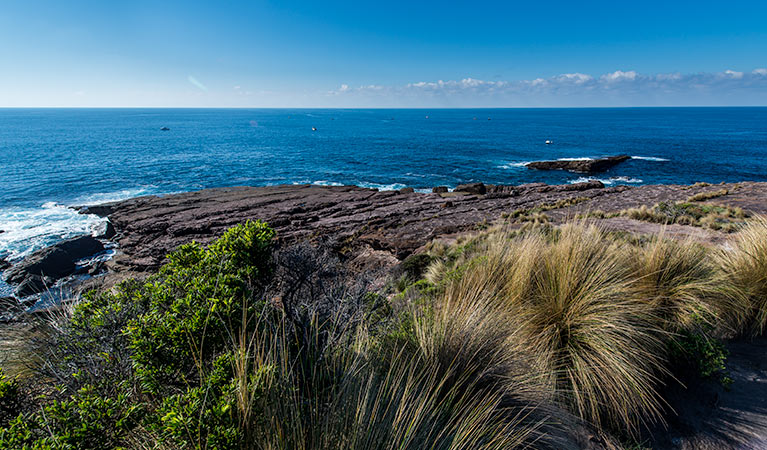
<point>580,166</point>
<point>56,261</point>
<point>472,188</point>
<point>439,190</point>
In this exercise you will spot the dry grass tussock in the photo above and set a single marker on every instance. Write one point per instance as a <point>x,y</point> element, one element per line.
<point>682,283</point>
<point>594,314</point>
<point>568,303</point>
<point>703,196</point>
<point>412,404</point>
<point>744,264</point>
<point>714,217</point>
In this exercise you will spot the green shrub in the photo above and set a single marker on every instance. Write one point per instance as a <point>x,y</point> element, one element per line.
<point>414,266</point>
<point>87,420</point>
<point>158,337</point>
<point>23,432</point>
<point>10,399</point>
<point>90,420</point>
<point>195,302</point>
<point>207,416</point>
<point>704,354</point>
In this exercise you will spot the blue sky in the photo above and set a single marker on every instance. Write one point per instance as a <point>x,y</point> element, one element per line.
<point>382,54</point>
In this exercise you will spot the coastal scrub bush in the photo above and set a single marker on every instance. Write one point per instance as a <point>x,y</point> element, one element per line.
<point>123,357</point>
<point>85,420</point>
<point>10,398</point>
<point>704,354</point>
<point>195,302</point>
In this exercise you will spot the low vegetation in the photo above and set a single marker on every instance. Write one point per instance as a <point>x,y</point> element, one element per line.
<point>507,339</point>
<point>692,213</point>
<point>703,196</point>
<point>715,217</point>
<point>537,215</point>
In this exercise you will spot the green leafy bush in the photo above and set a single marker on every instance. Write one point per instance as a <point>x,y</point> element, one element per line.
<point>90,420</point>
<point>10,399</point>
<point>195,301</point>
<point>207,416</point>
<point>127,358</point>
<point>704,354</point>
<point>87,420</point>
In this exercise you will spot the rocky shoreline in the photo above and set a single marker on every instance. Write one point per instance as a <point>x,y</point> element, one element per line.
<point>369,228</point>
<point>376,230</point>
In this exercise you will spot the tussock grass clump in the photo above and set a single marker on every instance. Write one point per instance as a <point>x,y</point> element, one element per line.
<point>715,217</point>
<point>536,214</point>
<point>703,196</point>
<point>680,282</point>
<point>597,214</point>
<point>745,265</point>
<point>569,296</point>
<point>588,334</point>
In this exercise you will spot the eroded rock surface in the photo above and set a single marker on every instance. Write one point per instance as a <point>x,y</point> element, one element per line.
<point>579,165</point>
<point>365,221</point>
<point>54,262</point>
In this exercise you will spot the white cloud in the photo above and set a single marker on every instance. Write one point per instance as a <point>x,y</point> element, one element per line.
<point>668,76</point>
<point>618,88</point>
<point>578,78</point>
<point>619,75</point>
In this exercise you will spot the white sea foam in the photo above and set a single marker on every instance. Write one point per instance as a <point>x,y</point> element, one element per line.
<point>650,158</point>
<point>514,165</point>
<point>382,187</point>
<point>326,183</point>
<point>28,229</point>
<point>607,181</point>
<point>105,197</point>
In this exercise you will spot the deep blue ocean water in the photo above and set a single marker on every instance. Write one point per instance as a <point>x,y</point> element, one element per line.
<point>53,158</point>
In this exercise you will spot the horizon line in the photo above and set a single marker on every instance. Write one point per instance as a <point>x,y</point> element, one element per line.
<point>387,108</point>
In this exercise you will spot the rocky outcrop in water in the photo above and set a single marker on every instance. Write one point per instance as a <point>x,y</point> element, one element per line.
<point>579,165</point>
<point>43,267</point>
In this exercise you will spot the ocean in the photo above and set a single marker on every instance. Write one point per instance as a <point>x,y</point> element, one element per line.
<point>51,159</point>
